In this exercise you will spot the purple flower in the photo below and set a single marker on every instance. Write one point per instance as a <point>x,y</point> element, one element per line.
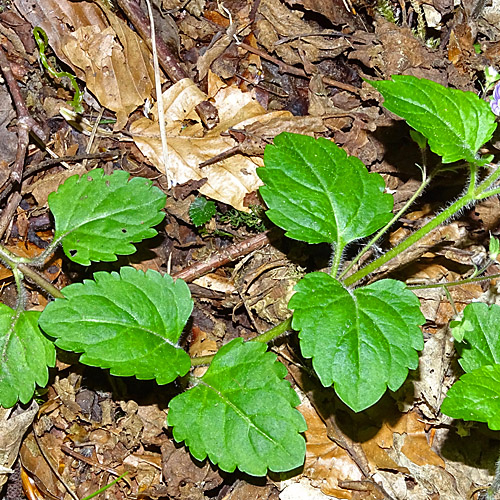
<point>495,101</point>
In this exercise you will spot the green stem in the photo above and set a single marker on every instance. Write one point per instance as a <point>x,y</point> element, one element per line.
<point>202,360</point>
<point>104,488</point>
<point>449,212</point>
<point>19,264</point>
<point>337,257</point>
<point>21,293</point>
<point>418,192</point>
<point>490,180</point>
<point>271,334</point>
<point>10,259</point>
<point>411,240</point>
<point>274,332</point>
<point>41,258</point>
<point>488,194</point>
<point>40,281</point>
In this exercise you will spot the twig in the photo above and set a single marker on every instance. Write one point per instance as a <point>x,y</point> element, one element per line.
<point>89,461</point>
<point>159,97</point>
<point>54,470</point>
<point>286,68</point>
<point>168,61</point>
<point>225,256</point>
<point>8,212</point>
<point>25,122</point>
<point>287,39</point>
<point>28,172</point>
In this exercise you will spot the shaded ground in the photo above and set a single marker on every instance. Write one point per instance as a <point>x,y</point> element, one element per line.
<point>253,69</point>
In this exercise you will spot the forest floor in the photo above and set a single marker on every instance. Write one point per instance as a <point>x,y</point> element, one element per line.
<point>236,74</point>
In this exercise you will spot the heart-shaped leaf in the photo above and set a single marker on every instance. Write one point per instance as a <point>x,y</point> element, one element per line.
<point>241,413</point>
<point>363,341</point>
<point>456,123</point>
<point>129,322</point>
<point>319,194</point>
<point>99,216</point>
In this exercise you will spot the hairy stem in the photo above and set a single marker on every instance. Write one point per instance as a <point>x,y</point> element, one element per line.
<point>470,196</point>
<point>274,332</point>
<point>19,264</point>
<point>477,279</point>
<point>21,292</point>
<point>425,182</point>
<point>337,259</point>
<point>40,281</point>
<point>271,334</point>
<point>411,240</point>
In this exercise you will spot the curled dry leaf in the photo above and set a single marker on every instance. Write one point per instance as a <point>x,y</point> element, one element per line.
<point>100,48</point>
<point>327,464</point>
<point>280,24</point>
<point>229,180</point>
<point>13,425</point>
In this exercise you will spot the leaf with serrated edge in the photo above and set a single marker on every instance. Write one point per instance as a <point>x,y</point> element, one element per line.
<point>362,340</point>
<point>476,396</point>
<point>26,356</point>
<point>242,413</point>
<point>129,322</point>
<point>456,123</point>
<point>99,216</point>
<point>319,194</point>
<point>201,211</point>
<point>479,327</point>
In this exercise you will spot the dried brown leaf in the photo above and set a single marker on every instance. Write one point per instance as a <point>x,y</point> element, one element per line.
<point>326,463</point>
<point>41,188</point>
<point>100,48</point>
<point>228,180</point>
<point>116,63</point>
<point>13,425</point>
<point>281,22</point>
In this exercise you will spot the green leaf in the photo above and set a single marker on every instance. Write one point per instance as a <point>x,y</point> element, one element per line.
<point>201,211</point>
<point>362,340</point>
<point>129,322</point>
<point>456,123</point>
<point>494,249</point>
<point>476,396</point>
<point>479,327</point>
<point>319,194</point>
<point>99,216</point>
<point>420,139</point>
<point>26,354</point>
<point>241,413</point>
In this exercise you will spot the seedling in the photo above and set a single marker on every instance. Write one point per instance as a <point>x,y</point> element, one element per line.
<point>362,339</point>
<point>42,42</point>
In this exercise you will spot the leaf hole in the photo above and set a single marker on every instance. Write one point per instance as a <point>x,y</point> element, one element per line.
<point>124,231</point>
<point>89,178</point>
<point>107,184</point>
<point>73,252</point>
